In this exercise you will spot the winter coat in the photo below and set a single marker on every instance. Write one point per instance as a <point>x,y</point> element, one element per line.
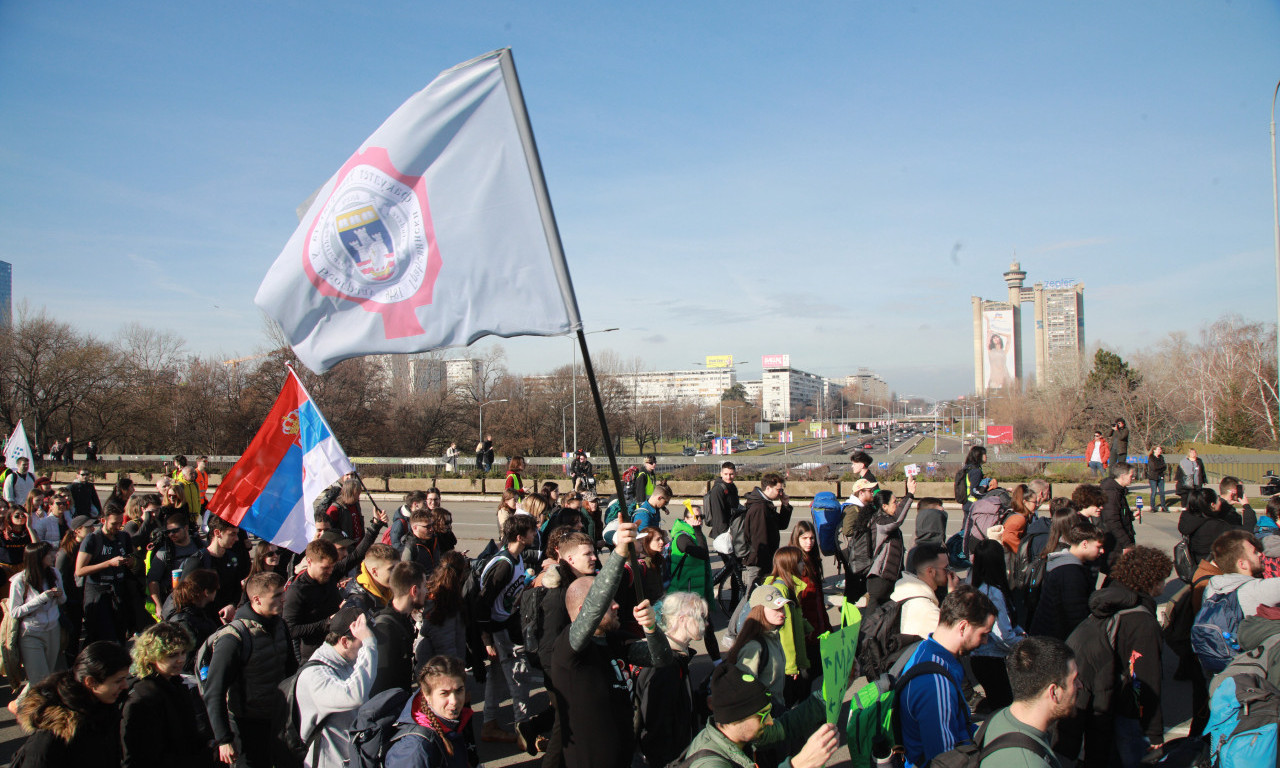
<point>1119,441</point>
<point>1137,656</point>
<point>1064,596</point>
<point>1203,530</point>
<point>422,747</point>
<point>890,548</point>
<point>68,726</point>
<point>764,525</point>
<point>199,623</point>
<point>919,617</point>
<point>1189,475</point>
<point>1104,451</point>
<point>1156,467</point>
<point>159,725</point>
<point>1117,519</point>
<point>788,730</point>
<point>690,560</point>
<point>665,707</point>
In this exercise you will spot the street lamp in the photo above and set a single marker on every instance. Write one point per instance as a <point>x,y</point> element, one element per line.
<point>564,439</point>
<point>573,374</point>
<point>482,405</point>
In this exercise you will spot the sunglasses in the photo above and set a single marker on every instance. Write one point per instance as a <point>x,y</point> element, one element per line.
<point>172,531</point>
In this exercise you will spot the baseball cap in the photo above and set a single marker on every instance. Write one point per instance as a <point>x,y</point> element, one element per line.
<point>341,622</point>
<point>80,521</point>
<point>864,484</point>
<point>769,596</point>
<point>337,539</point>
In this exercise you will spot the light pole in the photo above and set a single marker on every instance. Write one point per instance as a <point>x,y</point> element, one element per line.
<point>482,405</point>
<point>564,440</point>
<point>1275,205</point>
<point>573,374</point>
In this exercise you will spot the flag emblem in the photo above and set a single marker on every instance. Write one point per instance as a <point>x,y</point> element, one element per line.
<point>372,242</point>
<point>289,424</point>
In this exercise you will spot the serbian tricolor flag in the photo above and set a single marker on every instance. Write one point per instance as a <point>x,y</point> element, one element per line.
<point>291,460</point>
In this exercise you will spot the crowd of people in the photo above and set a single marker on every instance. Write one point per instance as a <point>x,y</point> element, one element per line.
<point>149,632</point>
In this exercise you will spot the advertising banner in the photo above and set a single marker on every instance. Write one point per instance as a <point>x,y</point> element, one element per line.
<point>719,361</point>
<point>999,355</point>
<point>999,435</point>
<point>775,361</point>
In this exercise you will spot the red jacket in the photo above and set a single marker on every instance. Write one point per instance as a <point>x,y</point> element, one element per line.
<point>1104,451</point>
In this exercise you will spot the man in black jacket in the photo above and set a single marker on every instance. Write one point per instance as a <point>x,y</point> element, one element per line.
<point>722,501</point>
<point>1117,519</point>
<point>84,496</point>
<point>1068,583</point>
<point>1232,490</point>
<point>764,526</point>
<point>588,663</point>
<point>312,599</point>
<point>395,630</point>
<point>243,685</point>
<point>577,558</point>
<point>1118,442</point>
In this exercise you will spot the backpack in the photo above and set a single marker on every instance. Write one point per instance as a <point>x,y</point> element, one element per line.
<point>1183,563</point>
<point>1099,672</point>
<point>627,477</point>
<point>991,509</point>
<point>827,514</point>
<point>292,736</point>
<point>970,755</point>
<point>204,654</point>
<point>960,488</point>
<point>880,640</point>
<point>688,760</point>
<point>612,519</point>
<point>1213,635</point>
<point>1244,712</point>
<point>481,561</point>
<point>531,619</point>
<point>326,499</point>
<point>375,728</point>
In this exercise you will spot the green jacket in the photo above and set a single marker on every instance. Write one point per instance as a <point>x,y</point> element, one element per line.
<point>688,572</point>
<point>790,731</point>
<point>794,628</point>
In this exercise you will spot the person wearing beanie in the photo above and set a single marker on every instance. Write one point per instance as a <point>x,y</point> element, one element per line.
<point>742,721</point>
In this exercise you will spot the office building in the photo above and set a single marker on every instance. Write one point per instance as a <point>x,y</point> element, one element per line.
<point>997,332</point>
<point>788,394</point>
<point>6,294</point>
<point>703,386</point>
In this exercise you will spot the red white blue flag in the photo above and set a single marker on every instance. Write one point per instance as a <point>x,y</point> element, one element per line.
<point>436,232</point>
<point>291,460</point>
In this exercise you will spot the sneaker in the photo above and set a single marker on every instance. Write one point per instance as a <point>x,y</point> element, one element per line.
<point>526,738</point>
<point>496,734</point>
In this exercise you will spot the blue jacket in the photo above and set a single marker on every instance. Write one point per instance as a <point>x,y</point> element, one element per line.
<point>932,710</point>
<point>645,516</point>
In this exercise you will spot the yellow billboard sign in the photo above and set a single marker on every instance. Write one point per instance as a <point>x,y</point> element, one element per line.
<point>719,361</point>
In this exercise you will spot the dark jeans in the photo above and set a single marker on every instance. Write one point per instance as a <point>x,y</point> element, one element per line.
<point>554,756</point>
<point>259,745</point>
<point>103,617</point>
<point>1157,487</point>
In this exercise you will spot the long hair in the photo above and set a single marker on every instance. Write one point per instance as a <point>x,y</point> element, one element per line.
<point>536,505</point>
<point>259,557</point>
<point>69,544</point>
<point>349,496</point>
<point>754,628</point>
<point>976,456</point>
<point>194,586</point>
<point>1065,515</point>
<point>444,587</point>
<point>989,566</point>
<point>118,492</point>
<point>813,558</point>
<point>787,566</point>
<point>39,578</point>
<point>1020,496</point>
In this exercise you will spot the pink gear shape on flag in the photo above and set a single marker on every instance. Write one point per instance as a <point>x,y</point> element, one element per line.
<point>372,242</point>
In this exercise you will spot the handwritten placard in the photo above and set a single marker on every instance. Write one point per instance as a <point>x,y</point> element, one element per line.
<point>839,650</point>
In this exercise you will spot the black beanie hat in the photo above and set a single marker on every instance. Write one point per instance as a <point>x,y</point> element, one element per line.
<point>736,695</point>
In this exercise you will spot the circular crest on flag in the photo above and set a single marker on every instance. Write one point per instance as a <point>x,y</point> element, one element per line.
<point>372,242</point>
<point>289,424</point>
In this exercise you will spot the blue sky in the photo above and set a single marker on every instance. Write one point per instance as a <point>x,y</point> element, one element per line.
<point>828,180</point>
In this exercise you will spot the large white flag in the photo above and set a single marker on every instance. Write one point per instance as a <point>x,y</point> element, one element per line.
<point>17,447</point>
<point>436,232</point>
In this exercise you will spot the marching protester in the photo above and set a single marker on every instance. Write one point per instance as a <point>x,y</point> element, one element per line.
<point>345,512</point>
<point>400,522</point>
<point>768,514</point>
<point>395,629</point>
<point>665,697</point>
<point>430,731</point>
<point>1068,582</point>
<point>158,725</point>
<point>102,561</point>
<point>989,577</point>
<point>812,602</point>
<point>311,600</point>
<point>758,648</point>
<point>190,609</point>
<point>72,613</point>
<point>35,597</point>
<point>888,545</point>
<point>72,716</point>
<point>331,687</point>
<point>370,590</point>
<point>447,619</point>
<point>501,582</point>
<point>788,565</point>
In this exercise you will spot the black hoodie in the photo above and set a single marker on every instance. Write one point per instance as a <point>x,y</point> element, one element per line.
<point>1137,656</point>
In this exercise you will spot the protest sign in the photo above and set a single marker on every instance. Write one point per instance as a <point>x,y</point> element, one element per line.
<point>838,650</point>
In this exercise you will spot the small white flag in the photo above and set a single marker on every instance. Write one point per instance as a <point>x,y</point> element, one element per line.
<point>436,232</point>
<point>17,447</point>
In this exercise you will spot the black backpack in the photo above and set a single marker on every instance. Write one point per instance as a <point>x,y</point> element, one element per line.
<point>1094,643</point>
<point>970,755</point>
<point>960,488</point>
<point>1184,564</point>
<point>292,736</point>
<point>376,728</point>
<point>531,619</point>
<point>880,641</point>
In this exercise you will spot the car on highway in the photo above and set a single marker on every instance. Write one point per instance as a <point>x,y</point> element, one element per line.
<point>689,450</point>
<point>867,445</point>
<point>700,453</point>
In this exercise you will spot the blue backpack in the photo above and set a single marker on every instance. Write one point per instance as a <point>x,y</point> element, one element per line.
<point>827,517</point>
<point>1213,636</point>
<point>1244,712</point>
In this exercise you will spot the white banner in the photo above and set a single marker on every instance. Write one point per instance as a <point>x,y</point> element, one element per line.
<point>17,447</point>
<point>436,232</point>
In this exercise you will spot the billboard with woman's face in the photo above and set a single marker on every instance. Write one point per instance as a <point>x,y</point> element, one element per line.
<point>999,354</point>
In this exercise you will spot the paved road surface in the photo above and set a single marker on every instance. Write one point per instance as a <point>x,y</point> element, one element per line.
<point>475,523</point>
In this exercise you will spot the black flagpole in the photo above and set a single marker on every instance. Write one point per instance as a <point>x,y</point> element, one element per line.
<point>613,462</point>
